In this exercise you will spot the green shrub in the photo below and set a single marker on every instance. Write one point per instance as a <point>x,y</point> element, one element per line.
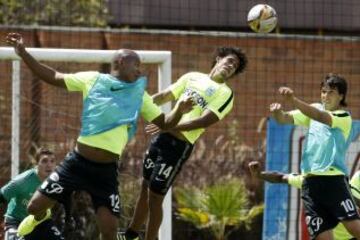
<point>84,13</point>
<point>224,204</point>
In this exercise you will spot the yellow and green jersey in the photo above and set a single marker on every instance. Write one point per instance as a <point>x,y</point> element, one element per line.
<point>208,95</point>
<point>18,193</point>
<point>325,146</point>
<point>113,140</point>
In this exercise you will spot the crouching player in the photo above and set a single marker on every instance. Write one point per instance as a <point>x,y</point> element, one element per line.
<point>18,192</point>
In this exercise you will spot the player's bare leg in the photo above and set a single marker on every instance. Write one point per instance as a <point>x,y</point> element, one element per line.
<point>107,222</point>
<point>141,209</point>
<point>155,215</point>
<point>327,235</point>
<point>353,226</point>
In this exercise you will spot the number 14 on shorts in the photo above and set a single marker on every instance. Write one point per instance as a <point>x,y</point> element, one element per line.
<point>165,171</point>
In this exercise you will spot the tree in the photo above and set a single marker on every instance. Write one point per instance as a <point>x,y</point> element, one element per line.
<point>83,13</point>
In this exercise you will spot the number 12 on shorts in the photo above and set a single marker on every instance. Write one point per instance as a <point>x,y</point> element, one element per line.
<point>115,202</point>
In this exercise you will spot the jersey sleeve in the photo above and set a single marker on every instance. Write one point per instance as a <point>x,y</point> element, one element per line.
<point>343,121</point>
<point>178,87</point>
<point>295,180</point>
<point>79,81</point>
<point>9,190</point>
<point>355,185</point>
<point>222,104</point>
<point>300,119</point>
<point>149,110</point>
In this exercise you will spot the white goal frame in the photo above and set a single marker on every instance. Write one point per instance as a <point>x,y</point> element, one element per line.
<point>162,58</point>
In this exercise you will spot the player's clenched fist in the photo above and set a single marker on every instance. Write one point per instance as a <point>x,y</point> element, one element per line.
<point>15,40</point>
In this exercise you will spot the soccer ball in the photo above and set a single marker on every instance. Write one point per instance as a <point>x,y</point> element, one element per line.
<point>262,18</point>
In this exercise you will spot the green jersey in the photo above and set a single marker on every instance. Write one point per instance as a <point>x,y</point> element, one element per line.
<point>18,192</point>
<point>208,95</point>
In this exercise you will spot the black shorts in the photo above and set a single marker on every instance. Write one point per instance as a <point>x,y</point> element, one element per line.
<point>327,201</point>
<point>76,173</point>
<point>163,161</point>
<point>45,230</point>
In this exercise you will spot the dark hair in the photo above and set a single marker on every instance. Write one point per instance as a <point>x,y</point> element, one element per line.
<point>42,151</point>
<point>335,81</point>
<point>225,51</point>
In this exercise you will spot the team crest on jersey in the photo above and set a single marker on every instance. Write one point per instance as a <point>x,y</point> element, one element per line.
<point>210,91</point>
<point>54,176</point>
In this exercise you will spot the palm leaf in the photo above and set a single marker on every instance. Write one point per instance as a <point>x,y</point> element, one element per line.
<point>226,200</point>
<point>223,204</point>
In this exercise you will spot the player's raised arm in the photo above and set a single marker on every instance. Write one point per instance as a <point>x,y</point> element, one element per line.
<point>43,71</point>
<point>307,109</point>
<point>163,97</point>
<point>273,177</point>
<point>168,121</point>
<point>205,120</point>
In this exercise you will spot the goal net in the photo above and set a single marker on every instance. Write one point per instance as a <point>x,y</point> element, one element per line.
<point>43,115</point>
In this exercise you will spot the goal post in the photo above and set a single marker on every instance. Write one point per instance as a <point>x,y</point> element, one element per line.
<point>161,58</point>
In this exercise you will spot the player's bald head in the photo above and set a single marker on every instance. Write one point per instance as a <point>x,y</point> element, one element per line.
<point>125,54</point>
<point>126,65</point>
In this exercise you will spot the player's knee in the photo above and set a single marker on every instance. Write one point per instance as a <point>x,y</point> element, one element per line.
<point>108,236</point>
<point>33,208</point>
<point>145,184</point>
<point>109,231</point>
<point>37,205</point>
<point>353,227</point>
<point>155,200</point>
<point>107,223</point>
<point>158,188</point>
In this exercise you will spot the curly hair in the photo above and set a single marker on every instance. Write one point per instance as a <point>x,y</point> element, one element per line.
<point>335,81</point>
<point>225,51</point>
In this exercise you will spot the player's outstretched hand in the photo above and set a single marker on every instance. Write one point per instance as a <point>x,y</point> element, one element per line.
<point>186,105</point>
<point>15,40</point>
<point>273,177</point>
<point>275,108</point>
<point>287,93</point>
<point>254,167</point>
<point>152,129</point>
